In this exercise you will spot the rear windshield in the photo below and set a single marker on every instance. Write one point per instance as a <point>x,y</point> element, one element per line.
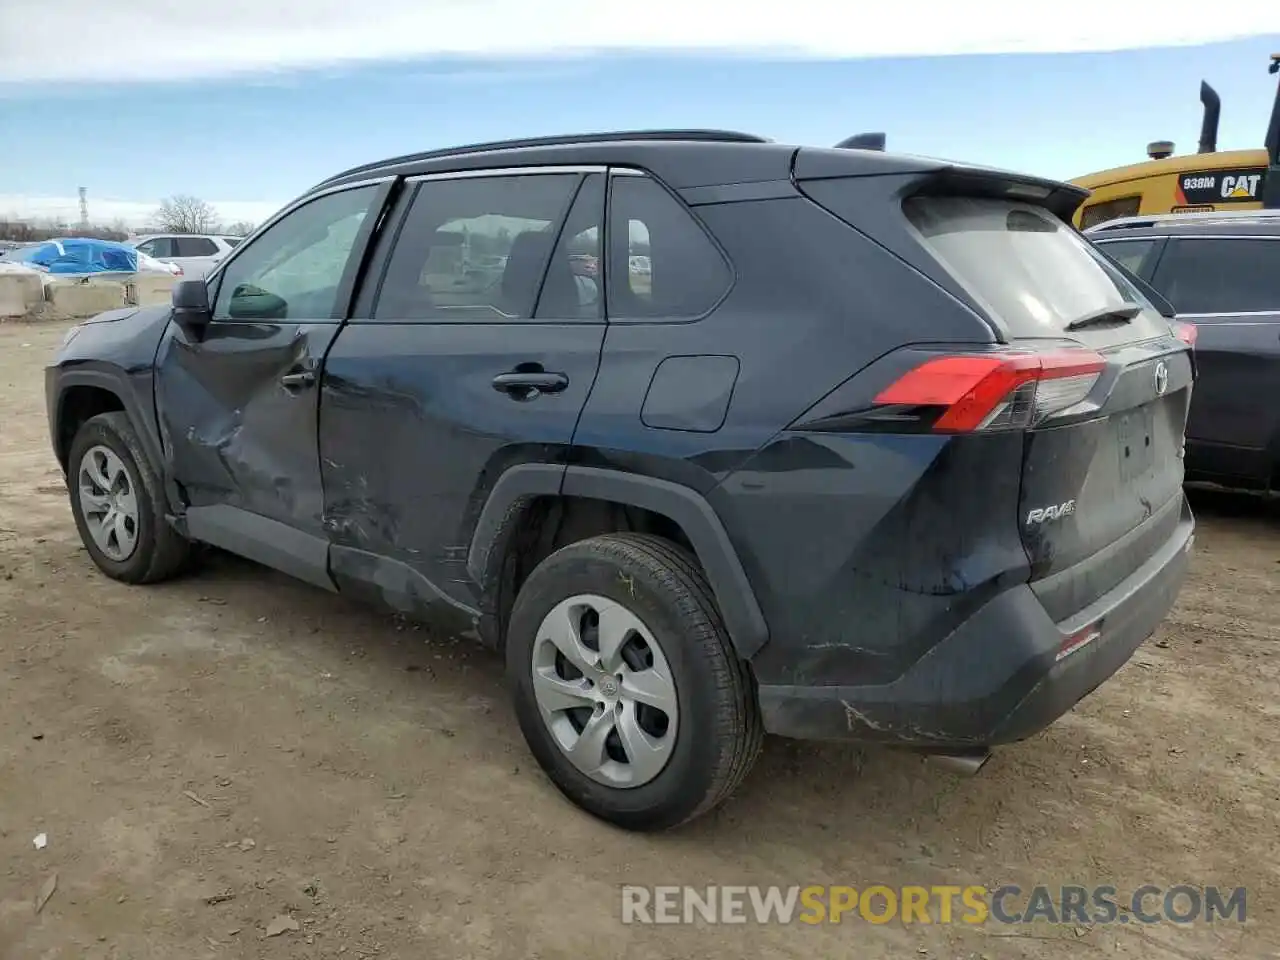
<point>1030,271</point>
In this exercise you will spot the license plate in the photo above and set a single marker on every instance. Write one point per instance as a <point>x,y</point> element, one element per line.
<point>1135,440</point>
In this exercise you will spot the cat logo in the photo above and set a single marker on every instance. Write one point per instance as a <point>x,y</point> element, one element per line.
<point>1211,187</point>
<point>1242,187</point>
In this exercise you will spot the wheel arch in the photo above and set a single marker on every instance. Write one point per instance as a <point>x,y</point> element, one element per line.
<point>85,392</point>
<point>522,486</point>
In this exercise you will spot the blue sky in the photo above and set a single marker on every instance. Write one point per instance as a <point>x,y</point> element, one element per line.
<point>251,141</point>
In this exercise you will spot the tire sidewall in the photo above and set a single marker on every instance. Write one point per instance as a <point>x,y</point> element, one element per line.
<point>687,778</point>
<point>101,432</point>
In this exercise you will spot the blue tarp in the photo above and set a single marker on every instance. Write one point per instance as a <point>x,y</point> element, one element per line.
<point>78,255</point>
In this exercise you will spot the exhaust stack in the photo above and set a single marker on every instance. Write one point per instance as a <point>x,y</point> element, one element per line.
<point>1209,125</point>
<point>1272,141</point>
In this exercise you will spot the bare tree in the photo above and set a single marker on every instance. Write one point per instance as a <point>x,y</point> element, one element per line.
<point>186,214</point>
<point>241,228</point>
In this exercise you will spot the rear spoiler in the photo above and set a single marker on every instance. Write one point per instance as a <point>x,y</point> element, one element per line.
<point>1061,199</point>
<point>930,177</point>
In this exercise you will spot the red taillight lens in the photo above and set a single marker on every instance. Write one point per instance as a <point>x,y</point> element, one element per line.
<point>996,390</point>
<point>1186,332</point>
<point>1081,638</point>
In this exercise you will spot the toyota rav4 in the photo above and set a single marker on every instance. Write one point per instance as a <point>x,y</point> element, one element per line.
<point>832,443</point>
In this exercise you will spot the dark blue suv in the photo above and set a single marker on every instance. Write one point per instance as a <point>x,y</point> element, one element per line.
<point>711,436</point>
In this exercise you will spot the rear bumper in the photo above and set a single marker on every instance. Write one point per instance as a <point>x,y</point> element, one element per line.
<point>997,678</point>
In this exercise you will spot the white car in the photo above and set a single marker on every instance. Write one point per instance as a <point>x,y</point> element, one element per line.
<point>196,253</point>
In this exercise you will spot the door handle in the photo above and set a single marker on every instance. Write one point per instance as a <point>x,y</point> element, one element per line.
<point>525,385</point>
<point>298,379</point>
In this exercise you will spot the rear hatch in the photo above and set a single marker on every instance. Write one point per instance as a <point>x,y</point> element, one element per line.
<point>1105,415</point>
<point>1097,382</point>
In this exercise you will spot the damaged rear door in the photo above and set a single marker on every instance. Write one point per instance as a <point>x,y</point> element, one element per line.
<point>472,348</point>
<point>237,403</point>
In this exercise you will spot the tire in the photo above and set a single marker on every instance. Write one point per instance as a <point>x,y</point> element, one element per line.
<point>158,552</point>
<point>715,733</point>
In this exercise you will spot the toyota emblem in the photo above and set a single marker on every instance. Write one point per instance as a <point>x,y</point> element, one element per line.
<point>1162,378</point>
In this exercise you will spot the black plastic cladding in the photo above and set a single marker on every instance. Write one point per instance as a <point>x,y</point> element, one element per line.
<point>838,557</point>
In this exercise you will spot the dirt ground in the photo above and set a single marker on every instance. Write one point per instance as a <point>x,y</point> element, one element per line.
<point>208,755</point>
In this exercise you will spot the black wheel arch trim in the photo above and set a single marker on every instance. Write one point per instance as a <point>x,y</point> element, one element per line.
<point>117,384</point>
<point>691,511</point>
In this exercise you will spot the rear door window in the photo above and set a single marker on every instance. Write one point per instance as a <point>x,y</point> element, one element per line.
<point>1033,274</point>
<point>1136,255</point>
<point>572,288</point>
<point>1205,275</point>
<point>196,247</point>
<point>158,247</point>
<point>475,249</point>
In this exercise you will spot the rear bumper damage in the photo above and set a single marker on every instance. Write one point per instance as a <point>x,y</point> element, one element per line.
<point>1000,677</point>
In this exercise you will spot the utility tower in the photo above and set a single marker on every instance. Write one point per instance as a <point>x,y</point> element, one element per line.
<point>84,208</point>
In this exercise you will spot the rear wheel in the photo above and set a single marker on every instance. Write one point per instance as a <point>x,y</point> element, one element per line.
<point>627,688</point>
<point>118,503</point>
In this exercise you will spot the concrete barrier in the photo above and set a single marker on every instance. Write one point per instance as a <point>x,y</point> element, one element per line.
<point>76,298</point>
<point>151,289</point>
<point>35,297</point>
<point>20,294</point>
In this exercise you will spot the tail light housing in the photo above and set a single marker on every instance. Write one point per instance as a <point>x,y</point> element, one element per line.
<point>1186,332</point>
<point>996,391</point>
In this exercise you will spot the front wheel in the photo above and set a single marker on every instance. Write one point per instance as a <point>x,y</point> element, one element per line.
<point>118,503</point>
<point>627,687</point>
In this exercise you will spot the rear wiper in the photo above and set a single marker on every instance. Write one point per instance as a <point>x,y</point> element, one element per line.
<point>1106,315</point>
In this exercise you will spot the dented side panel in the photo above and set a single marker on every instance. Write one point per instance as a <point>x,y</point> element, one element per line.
<point>413,434</point>
<point>233,433</point>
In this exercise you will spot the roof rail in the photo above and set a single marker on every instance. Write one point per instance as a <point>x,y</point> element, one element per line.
<point>703,136</point>
<point>1199,216</point>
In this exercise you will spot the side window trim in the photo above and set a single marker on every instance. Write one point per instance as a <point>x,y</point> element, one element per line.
<point>730,268</point>
<point>380,253</point>
<point>355,260</point>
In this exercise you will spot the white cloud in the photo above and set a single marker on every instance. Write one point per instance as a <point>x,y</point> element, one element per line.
<point>165,40</point>
<point>133,213</point>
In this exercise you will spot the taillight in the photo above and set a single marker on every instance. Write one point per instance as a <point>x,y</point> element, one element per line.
<point>1081,638</point>
<point>1186,332</point>
<point>1009,391</point>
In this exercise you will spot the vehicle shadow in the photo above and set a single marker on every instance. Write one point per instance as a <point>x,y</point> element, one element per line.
<point>813,803</point>
<point>1210,501</point>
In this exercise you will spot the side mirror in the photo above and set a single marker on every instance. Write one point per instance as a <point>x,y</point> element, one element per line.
<point>191,309</point>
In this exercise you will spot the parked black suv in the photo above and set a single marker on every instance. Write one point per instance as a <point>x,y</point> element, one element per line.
<point>1221,272</point>
<point>712,436</point>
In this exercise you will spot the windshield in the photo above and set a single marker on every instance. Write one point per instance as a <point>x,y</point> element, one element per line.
<point>1030,271</point>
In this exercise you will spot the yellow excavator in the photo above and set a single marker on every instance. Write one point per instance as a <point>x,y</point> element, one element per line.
<point>1205,181</point>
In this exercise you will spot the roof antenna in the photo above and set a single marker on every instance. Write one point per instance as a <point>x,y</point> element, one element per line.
<point>863,141</point>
